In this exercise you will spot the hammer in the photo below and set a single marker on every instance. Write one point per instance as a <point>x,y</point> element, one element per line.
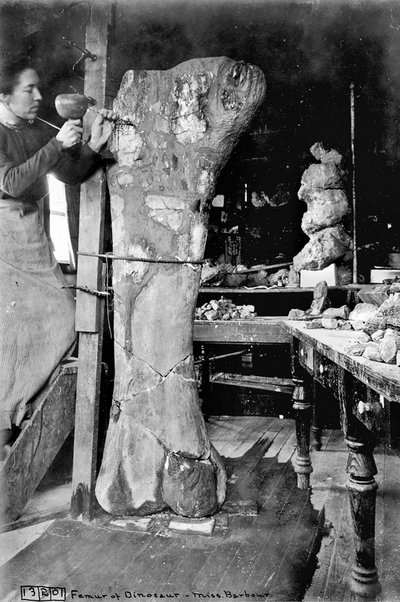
<point>74,106</point>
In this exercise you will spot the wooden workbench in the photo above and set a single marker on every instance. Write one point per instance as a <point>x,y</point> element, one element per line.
<point>263,330</point>
<point>365,391</point>
<point>260,331</point>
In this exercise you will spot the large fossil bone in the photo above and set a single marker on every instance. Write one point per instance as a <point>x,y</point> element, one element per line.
<point>187,120</point>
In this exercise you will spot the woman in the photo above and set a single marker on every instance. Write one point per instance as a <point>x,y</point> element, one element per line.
<point>36,312</point>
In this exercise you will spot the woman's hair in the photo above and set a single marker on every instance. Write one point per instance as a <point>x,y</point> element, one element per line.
<point>11,68</point>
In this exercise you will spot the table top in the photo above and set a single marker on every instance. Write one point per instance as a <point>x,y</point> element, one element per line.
<point>261,330</point>
<point>382,378</point>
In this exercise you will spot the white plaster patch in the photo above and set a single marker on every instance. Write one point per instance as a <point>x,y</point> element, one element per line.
<point>183,244</point>
<point>135,270</point>
<point>162,124</point>
<point>204,182</point>
<point>156,107</point>
<point>198,234</point>
<point>189,123</point>
<point>125,179</point>
<point>117,207</point>
<point>190,129</point>
<point>129,145</point>
<point>175,220</point>
<point>156,201</point>
<point>167,217</point>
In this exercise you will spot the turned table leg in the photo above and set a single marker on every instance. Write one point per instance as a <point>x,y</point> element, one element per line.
<point>362,489</point>
<point>302,408</point>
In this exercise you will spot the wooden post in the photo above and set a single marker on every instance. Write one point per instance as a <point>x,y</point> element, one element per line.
<point>353,181</point>
<point>302,410</point>
<point>90,310</point>
<point>362,489</point>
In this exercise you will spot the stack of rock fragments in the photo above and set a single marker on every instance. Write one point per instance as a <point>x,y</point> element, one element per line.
<point>323,190</point>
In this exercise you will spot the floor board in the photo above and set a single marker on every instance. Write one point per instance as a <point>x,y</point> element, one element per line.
<point>267,540</point>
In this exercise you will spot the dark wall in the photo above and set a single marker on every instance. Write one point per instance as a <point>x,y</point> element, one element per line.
<point>310,53</point>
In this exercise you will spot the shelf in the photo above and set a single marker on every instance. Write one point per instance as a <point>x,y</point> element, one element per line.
<point>283,289</point>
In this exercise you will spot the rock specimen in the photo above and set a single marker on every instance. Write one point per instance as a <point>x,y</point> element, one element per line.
<point>389,345</point>
<point>341,312</point>
<point>387,315</point>
<point>224,309</point>
<point>322,188</point>
<point>319,304</point>
<point>320,300</point>
<point>382,346</point>
<point>187,120</point>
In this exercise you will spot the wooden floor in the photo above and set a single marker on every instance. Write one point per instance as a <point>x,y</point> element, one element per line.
<point>271,541</point>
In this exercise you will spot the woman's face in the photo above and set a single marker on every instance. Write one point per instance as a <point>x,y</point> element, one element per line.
<point>25,98</point>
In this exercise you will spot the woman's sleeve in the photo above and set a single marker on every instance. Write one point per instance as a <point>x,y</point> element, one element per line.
<point>75,166</point>
<point>16,179</point>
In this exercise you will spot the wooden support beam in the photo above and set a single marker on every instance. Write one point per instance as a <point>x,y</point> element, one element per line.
<point>90,309</point>
<point>39,442</point>
<point>252,381</point>
<point>262,330</point>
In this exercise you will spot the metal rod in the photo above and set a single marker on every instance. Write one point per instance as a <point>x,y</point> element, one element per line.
<point>265,267</point>
<point>353,183</point>
<point>119,118</point>
<point>220,357</point>
<point>48,123</point>
<point>143,259</point>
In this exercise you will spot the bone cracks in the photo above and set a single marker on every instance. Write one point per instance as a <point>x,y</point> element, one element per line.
<point>157,452</point>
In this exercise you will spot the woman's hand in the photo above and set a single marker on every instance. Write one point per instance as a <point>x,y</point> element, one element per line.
<point>101,129</point>
<point>70,133</point>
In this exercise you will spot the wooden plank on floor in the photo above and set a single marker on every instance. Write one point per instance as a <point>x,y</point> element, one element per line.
<point>54,557</point>
<point>336,565</point>
<point>208,579</point>
<point>336,554</point>
<point>214,567</point>
<point>160,567</point>
<point>142,567</point>
<point>48,504</point>
<point>288,503</point>
<point>240,430</point>
<point>222,431</point>
<point>248,555</point>
<point>118,555</point>
<point>258,434</point>
<point>288,448</point>
<point>39,442</point>
<point>299,541</point>
<point>279,441</point>
<point>387,536</point>
<point>329,467</point>
<point>191,564</point>
<point>263,529</point>
<point>13,542</point>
